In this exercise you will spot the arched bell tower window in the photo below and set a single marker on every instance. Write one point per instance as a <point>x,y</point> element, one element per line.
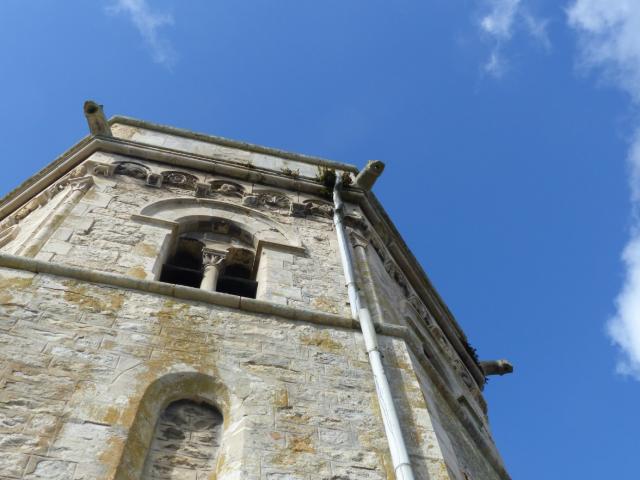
<point>213,255</point>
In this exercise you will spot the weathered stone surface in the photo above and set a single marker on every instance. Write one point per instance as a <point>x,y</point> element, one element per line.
<point>185,442</point>
<point>103,382</point>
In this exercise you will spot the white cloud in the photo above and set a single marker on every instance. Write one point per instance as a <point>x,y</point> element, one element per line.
<point>609,36</point>
<point>495,65</point>
<point>503,18</point>
<point>500,19</point>
<point>148,24</point>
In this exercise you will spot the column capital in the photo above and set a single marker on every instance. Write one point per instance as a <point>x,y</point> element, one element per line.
<point>80,184</point>
<point>212,258</point>
<point>357,239</point>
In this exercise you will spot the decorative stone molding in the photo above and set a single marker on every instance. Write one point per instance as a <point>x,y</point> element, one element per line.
<point>297,210</point>
<point>319,208</point>
<point>46,196</point>
<point>154,180</point>
<point>202,189</point>
<point>272,200</point>
<point>9,234</point>
<point>81,184</point>
<point>419,307</point>
<point>461,371</point>
<point>76,188</point>
<point>132,169</point>
<point>172,213</point>
<point>212,258</point>
<point>311,207</point>
<point>223,187</point>
<point>356,222</point>
<point>250,201</point>
<point>182,180</point>
<point>101,168</point>
<point>358,240</point>
<point>212,263</point>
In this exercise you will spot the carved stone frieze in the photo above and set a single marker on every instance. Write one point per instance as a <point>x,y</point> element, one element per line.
<point>182,180</point>
<point>202,189</point>
<point>101,169</point>
<point>357,240</point>
<point>131,169</point>
<point>356,221</point>
<point>271,200</point>
<point>297,209</point>
<point>9,234</point>
<point>45,197</point>
<point>419,308</point>
<point>154,180</point>
<point>456,363</point>
<point>319,208</point>
<point>230,189</point>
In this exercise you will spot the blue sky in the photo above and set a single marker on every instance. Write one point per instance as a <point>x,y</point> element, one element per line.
<point>510,133</point>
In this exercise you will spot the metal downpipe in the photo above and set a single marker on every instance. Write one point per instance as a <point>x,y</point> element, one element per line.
<point>397,447</point>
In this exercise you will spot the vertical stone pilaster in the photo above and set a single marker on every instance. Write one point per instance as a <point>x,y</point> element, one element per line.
<point>76,189</point>
<point>274,277</point>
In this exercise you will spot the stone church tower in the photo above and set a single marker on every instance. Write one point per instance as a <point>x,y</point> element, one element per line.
<point>173,306</point>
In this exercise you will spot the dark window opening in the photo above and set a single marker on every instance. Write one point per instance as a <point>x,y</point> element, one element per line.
<point>181,276</point>
<point>185,267</point>
<point>236,280</point>
<point>237,286</point>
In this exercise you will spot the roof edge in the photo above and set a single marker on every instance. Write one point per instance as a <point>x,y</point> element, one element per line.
<point>44,171</point>
<point>227,142</point>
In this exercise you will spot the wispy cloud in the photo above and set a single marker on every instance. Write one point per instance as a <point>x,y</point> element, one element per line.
<point>148,24</point>
<point>501,20</point>
<point>609,36</point>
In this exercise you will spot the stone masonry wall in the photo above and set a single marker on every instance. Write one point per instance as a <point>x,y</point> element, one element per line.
<point>298,399</point>
<point>86,371</point>
<point>100,234</point>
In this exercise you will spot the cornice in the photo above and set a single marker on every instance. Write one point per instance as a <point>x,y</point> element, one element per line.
<point>46,176</point>
<point>226,142</point>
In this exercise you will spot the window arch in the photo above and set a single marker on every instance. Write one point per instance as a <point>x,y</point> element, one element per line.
<point>183,218</point>
<point>185,443</point>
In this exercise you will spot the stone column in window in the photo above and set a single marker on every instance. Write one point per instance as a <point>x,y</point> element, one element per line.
<point>212,263</point>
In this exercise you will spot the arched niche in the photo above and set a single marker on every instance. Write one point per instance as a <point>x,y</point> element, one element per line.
<point>186,442</point>
<point>167,392</point>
